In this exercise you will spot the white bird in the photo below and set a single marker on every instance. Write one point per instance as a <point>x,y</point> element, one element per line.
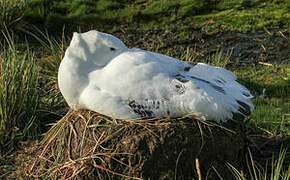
<point>99,73</point>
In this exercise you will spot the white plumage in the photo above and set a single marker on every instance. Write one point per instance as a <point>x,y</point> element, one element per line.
<point>99,73</point>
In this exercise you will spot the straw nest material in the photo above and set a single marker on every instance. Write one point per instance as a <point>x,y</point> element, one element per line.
<point>87,144</point>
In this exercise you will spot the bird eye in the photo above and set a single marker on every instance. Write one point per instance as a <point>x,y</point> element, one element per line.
<point>112,49</point>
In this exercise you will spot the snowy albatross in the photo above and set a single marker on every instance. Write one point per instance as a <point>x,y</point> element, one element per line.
<point>99,73</point>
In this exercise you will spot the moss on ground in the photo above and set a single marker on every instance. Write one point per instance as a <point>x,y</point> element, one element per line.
<point>207,15</point>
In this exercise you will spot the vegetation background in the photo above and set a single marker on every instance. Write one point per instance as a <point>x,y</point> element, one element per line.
<point>249,37</point>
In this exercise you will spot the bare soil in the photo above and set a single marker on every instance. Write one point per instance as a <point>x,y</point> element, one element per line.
<point>248,47</point>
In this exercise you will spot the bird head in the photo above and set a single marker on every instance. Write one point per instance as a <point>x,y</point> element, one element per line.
<point>96,47</point>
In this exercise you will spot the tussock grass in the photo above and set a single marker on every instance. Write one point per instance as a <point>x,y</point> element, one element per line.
<point>220,59</point>
<point>11,12</point>
<point>256,172</point>
<point>19,96</point>
<point>52,103</point>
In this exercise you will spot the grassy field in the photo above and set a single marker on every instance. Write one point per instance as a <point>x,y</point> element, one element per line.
<point>30,99</point>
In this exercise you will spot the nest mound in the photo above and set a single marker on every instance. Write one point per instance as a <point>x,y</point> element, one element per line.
<point>87,144</point>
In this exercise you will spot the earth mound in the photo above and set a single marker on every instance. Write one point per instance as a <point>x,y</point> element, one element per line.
<point>87,144</point>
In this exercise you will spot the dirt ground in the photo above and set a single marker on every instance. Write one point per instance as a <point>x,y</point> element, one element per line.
<point>262,46</point>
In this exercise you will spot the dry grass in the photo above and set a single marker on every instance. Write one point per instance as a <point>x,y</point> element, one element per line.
<point>88,144</point>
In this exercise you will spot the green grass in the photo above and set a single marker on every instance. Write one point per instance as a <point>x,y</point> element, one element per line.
<point>29,95</point>
<point>250,19</point>
<point>11,13</point>
<point>207,15</point>
<point>278,172</point>
<point>50,54</point>
<point>19,98</point>
<point>272,88</point>
<point>272,114</point>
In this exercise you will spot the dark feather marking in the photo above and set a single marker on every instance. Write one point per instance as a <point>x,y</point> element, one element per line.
<point>179,75</point>
<point>219,81</point>
<point>187,68</point>
<point>238,117</point>
<point>180,88</point>
<point>192,63</point>
<point>178,85</point>
<point>157,104</point>
<point>218,88</point>
<point>141,110</point>
<point>245,109</point>
<point>183,80</point>
<point>154,104</point>
<point>193,77</point>
<point>246,94</point>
